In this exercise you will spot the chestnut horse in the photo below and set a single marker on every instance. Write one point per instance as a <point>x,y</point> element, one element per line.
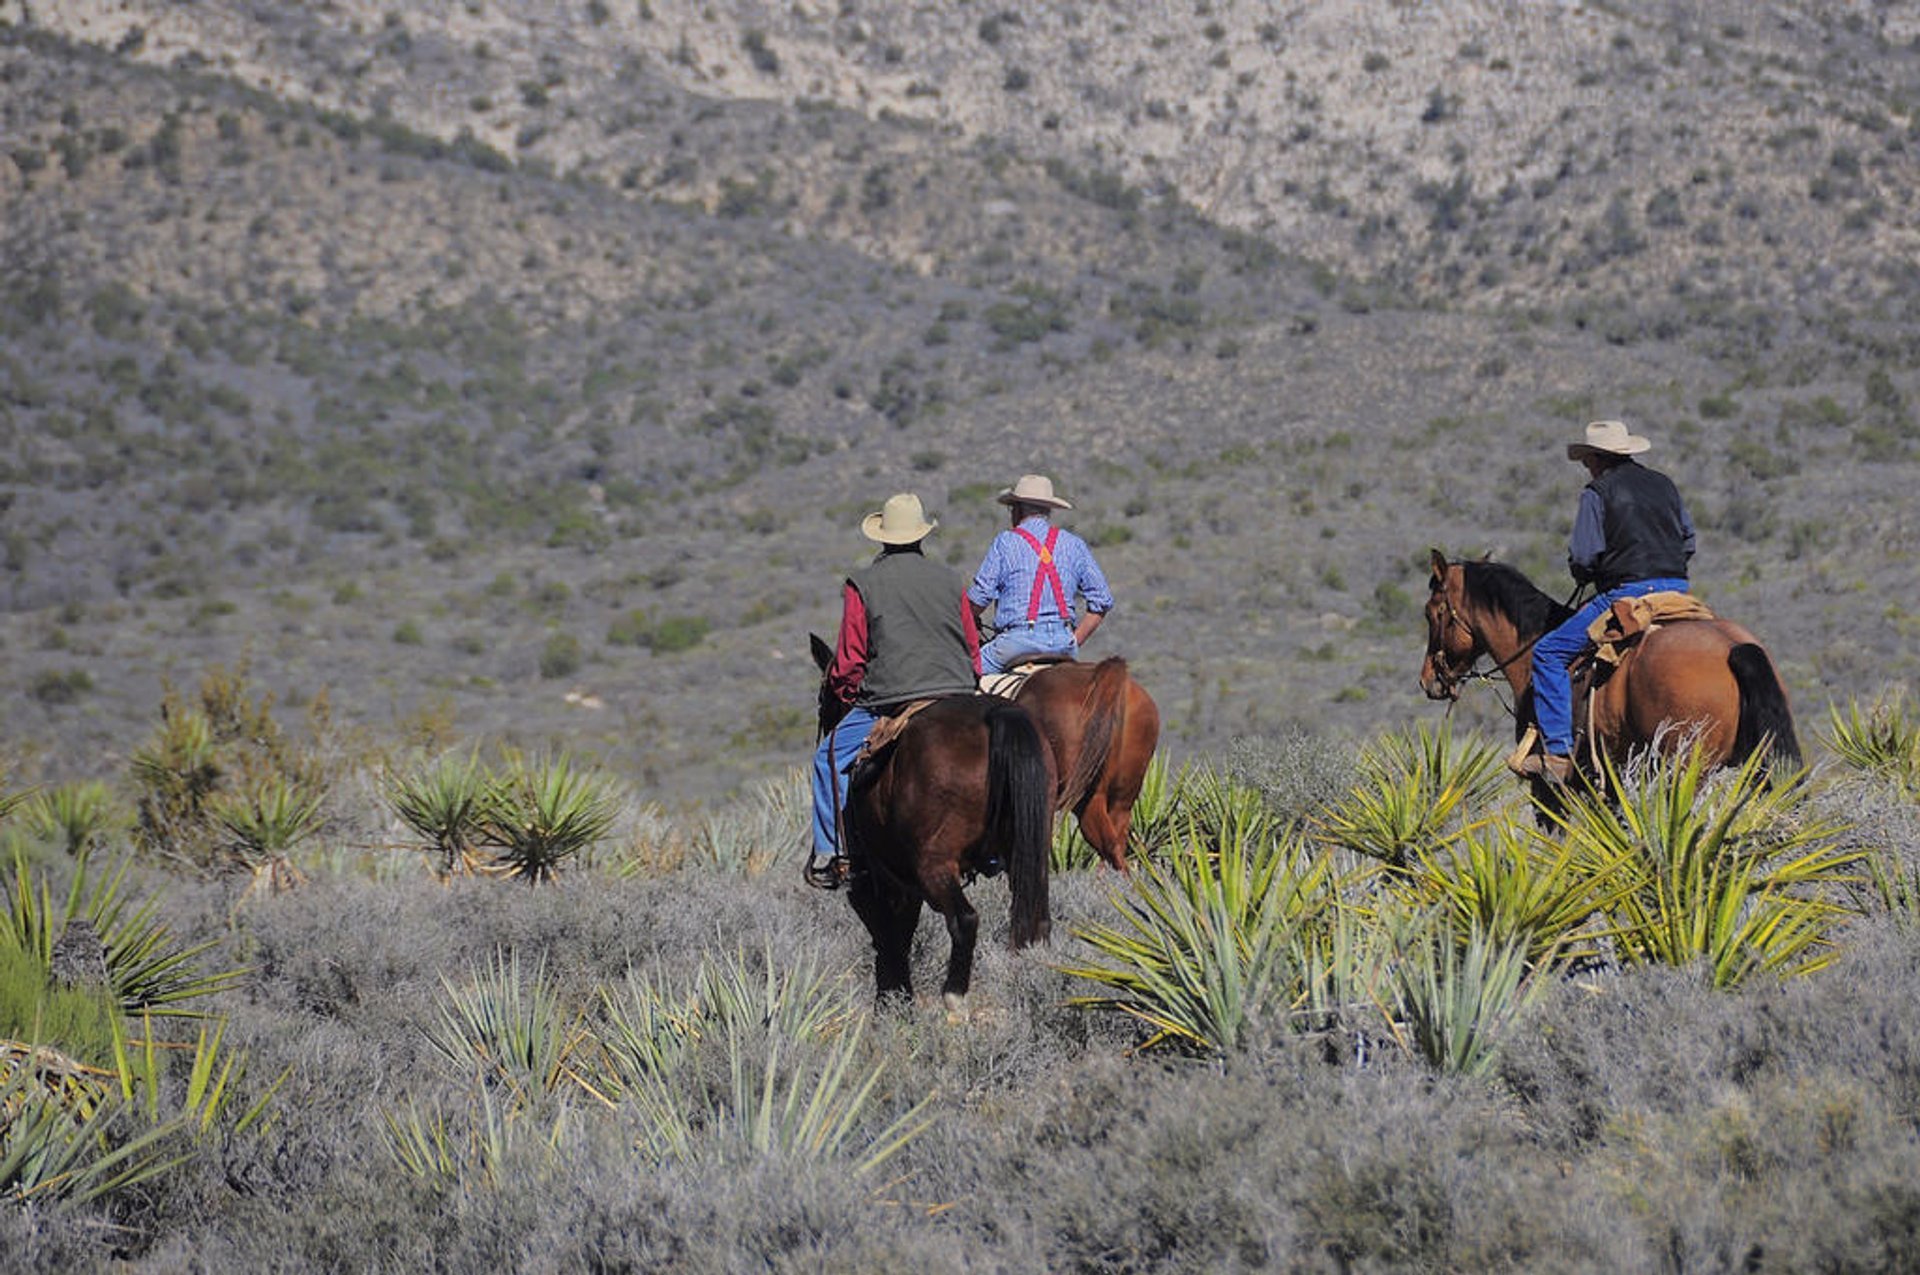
<point>1102,727</point>
<point>1709,680</point>
<point>965,788</point>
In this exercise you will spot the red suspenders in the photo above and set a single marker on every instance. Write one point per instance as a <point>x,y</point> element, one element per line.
<point>1047,575</point>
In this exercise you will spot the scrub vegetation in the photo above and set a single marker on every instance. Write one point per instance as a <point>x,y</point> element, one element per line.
<point>1301,1035</point>
<point>428,435</point>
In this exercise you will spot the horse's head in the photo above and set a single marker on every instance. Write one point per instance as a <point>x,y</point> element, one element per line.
<point>1452,644</point>
<point>830,707</point>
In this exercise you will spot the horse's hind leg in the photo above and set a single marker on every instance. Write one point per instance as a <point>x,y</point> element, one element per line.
<point>891,916</point>
<point>963,924</point>
<point>1106,830</point>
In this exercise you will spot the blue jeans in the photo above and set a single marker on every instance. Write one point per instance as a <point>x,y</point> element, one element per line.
<point>830,761</point>
<point>1552,688</point>
<point>1019,640</point>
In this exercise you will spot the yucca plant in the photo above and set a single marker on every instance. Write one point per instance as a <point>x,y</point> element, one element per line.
<point>473,1148</point>
<point>746,836</point>
<point>447,801</point>
<point>1733,869</point>
<point>66,1139</point>
<point>782,1099</point>
<point>178,771</point>
<point>264,825</point>
<point>1509,882</point>
<point>1884,741</point>
<point>78,817</point>
<point>1895,886</point>
<point>148,969</point>
<point>1458,992</point>
<point>510,1030</point>
<point>545,812</point>
<point>1414,793</point>
<point>1206,949</point>
<point>206,1104</point>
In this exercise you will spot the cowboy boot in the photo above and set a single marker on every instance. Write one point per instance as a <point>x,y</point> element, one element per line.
<point>1553,768</point>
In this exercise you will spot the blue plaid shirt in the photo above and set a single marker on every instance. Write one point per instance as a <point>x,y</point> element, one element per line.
<point>1007,574</point>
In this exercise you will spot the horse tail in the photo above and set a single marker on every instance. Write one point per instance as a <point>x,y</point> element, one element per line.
<point>1765,718</point>
<point>1103,710</point>
<point>1020,815</point>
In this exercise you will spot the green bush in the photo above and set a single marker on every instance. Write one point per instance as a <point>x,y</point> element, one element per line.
<point>560,657</point>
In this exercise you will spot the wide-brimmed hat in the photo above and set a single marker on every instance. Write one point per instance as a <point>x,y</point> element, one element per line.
<point>1032,489</point>
<point>1609,438</point>
<point>901,521</point>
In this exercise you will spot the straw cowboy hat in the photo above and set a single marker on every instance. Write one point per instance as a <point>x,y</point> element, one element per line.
<point>1610,438</point>
<point>901,521</point>
<point>1032,489</point>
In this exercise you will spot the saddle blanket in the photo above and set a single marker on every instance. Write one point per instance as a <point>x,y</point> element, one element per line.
<point>1007,685</point>
<point>1630,619</point>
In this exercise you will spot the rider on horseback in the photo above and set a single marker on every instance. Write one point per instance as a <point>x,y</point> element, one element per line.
<point>1631,537</point>
<point>906,634</point>
<point>1030,574</point>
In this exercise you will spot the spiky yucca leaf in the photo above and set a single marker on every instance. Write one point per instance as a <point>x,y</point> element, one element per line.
<point>1205,950</point>
<point>767,826</point>
<point>149,970</point>
<point>55,1149</point>
<point>1413,794</point>
<point>267,821</point>
<point>547,811</point>
<point>473,1147</point>
<point>1509,882</point>
<point>1734,869</point>
<point>1459,992</point>
<point>1883,741</point>
<point>507,1028</point>
<point>781,1099</point>
<point>79,817</point>
<point>447,801</point>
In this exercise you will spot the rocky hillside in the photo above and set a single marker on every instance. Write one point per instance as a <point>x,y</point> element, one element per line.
<point>524,370</point>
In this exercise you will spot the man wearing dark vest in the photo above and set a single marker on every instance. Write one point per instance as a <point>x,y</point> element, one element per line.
<point>1631,537</point>
<point>1030,576</point>
<point>906,634</point>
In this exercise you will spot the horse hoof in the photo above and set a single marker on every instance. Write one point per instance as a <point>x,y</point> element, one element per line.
<point>956,1008</point>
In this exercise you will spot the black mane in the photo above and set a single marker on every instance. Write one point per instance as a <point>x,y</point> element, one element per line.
<point>1499,587</point>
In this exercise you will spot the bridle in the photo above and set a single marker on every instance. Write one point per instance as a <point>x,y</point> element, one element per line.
<point>1450,678</point>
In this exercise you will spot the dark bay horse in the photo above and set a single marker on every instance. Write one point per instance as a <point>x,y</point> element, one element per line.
<point>1709,680</point>
<point>966,788</point>
<point>1102,727</point>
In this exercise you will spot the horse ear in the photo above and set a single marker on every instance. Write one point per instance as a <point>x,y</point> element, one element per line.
<point>1439,563</point>
<point>822,653</point>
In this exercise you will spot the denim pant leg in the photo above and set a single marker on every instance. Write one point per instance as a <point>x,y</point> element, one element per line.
<point>1552,688</point>
<point>1016,643</point>
<point>830,762</point>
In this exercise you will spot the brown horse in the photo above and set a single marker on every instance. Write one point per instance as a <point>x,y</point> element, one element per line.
<point>965,789</point>
<point>1709,680</point>
<point>1102,727</point>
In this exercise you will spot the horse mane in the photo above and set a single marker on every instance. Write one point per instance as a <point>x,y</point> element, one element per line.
<point>1499,587</point>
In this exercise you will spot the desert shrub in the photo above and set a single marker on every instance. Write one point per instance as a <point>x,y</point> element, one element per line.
<point>766,827</point>
<point>560,656</point>
<point>51,686</point>
<point>224,740</point>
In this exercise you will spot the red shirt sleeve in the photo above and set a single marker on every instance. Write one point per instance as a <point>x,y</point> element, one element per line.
<point>972,629</point>
<point>849,667</point>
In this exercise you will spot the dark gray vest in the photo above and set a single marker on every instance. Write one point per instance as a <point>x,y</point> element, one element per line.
<point>916,644</point>
<point>1641,515</point>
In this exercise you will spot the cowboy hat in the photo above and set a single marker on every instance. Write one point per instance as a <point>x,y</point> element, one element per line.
<point>1032,489</point>
<point>1610,438</point>
<point>901,521</point>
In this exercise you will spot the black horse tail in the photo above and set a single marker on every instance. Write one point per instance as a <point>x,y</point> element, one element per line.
<point>1765,718</point>
<point>1103,710</point>
<point>1020,816</point>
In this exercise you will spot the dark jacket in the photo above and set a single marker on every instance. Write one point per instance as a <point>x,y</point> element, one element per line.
<point>1644,525</point>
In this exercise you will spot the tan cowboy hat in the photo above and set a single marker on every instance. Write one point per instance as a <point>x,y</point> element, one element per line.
<point>1611,438</point>
<point>1032,489</point>
<point>901,521</point>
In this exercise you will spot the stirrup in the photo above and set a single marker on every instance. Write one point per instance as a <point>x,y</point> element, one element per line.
<point>826,874</point>
<point>1522,754</point>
